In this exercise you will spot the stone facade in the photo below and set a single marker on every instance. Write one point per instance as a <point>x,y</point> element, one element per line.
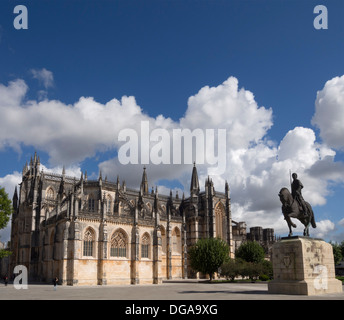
<point>100,232</point>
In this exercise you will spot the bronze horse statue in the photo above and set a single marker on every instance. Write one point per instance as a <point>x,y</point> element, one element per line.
<point>292,209</point>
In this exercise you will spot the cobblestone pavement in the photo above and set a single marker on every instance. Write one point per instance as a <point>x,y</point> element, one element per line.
<point>183,290</point>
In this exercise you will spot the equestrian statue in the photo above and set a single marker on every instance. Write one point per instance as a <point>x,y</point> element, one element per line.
<point>294,206</point>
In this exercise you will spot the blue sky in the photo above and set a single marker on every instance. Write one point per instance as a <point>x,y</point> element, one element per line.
<point>164,52</point>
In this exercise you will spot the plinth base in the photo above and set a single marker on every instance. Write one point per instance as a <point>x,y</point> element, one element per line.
<point>303,266</point>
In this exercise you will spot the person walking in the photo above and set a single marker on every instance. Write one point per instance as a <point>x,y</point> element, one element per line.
<point>6,280</point>
<point>55,281</point>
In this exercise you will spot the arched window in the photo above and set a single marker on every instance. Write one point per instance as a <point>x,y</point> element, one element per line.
<point>50,194</point>
<point>149,207</point>
<point>219,215</point>
<point>89,240</point>
<point>145,245</point>
<point>119,244</point>
<point>176,241</point>
<point>163,208</point>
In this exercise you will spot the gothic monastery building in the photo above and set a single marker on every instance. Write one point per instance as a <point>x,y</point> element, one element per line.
<point>89,232</point>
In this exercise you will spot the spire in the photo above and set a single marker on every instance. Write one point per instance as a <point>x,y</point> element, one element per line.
<point>100,181</point>
<point>194,187</point>
<point>117,183</point>
<point>15,199</point>
<point>209,186</point>
<point>82,183</point>
<point>156,200</point>
<point>15,196</point>
<point>170,200</point>
<point>227,189</point>
<point>62,185</point>
<point>25,169</point>
<point>36,161</point>
<point>144,182</point>
<point>104,208</point>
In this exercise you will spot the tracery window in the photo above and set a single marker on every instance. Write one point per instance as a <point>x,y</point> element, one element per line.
<point>50,194</point>
<point>89,239</point>
<point>176,241</point>
<point>145,245</point>
<point>119,244</point>
<point>149,206</point>
<point>219,215</point>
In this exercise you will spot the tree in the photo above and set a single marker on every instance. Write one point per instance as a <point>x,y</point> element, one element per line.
<point>207,255</point>
<point>4,253</point>
<point>267,269</point>
<point>5,208</point>
<point>5,213</point>
<point>342,248</point>
<point>250,251</point>
<point>337,252</point>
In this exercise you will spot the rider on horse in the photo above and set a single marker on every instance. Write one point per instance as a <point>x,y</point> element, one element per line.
<point>296,188</point>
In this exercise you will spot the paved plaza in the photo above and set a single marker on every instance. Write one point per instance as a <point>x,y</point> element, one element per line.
<point>169,290</point>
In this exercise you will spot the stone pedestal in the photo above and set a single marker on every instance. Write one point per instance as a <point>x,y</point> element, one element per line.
<point>303,265</point>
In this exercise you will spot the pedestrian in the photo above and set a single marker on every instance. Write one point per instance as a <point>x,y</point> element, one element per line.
<point>55,281</point>
<point>6,280</point>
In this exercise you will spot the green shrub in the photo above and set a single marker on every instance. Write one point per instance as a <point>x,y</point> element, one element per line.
<point>238,267</point>
<point>250,251</point>
<point>230,269</point>
<point>264,277</point>
<point>267,269</point>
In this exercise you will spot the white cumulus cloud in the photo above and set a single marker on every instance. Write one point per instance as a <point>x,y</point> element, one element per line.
<point>329,113</point>
<point>323,228</point>
<point>256,168</point>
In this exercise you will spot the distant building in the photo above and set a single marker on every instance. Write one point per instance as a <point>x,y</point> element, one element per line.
<point>265,237</point>
<point>239,234</point>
